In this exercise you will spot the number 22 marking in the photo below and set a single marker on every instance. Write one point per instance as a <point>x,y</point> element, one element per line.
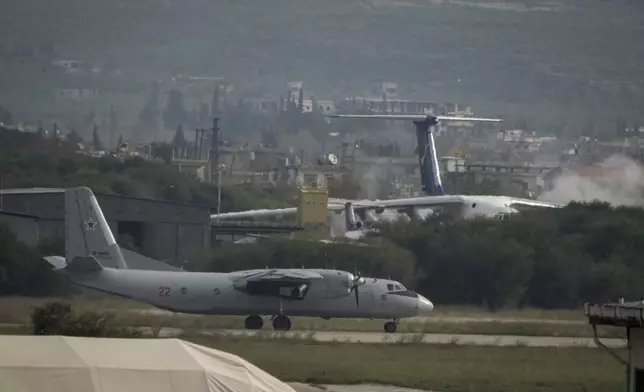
<point>164,291</point>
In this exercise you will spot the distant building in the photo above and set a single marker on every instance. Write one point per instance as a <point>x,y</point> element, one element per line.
<point>293,89</point>
<point>69,66</point>
<point>390,106</point>
<point>390,90</point>
<point>76,94</point>
<point>324,107</point>
<point>264,105</point>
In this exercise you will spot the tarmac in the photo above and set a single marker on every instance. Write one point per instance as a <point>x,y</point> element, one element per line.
<point>386,338</point>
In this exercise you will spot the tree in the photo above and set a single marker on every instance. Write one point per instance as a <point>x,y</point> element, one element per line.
<point>113,123</point>
<point>96,140</point>
<point>5,116</point>
<point>74,138</point>
<point>57,318</point>
<point>175,113</point>
<point>179,139</point>
<point>204,116</point>
<point>22,269</point>
<point>149,116</point>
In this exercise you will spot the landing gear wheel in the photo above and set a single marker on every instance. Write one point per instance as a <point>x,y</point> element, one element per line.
<point>253,322</point>
<point>390,327</point>
<point>281,323</point>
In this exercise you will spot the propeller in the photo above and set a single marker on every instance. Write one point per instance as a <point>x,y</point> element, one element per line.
<point>357,281</point>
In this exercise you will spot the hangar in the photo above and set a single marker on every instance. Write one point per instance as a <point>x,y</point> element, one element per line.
<point>164,230</point>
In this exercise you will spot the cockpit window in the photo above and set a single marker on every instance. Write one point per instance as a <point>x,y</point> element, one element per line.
<point>390,287</point>
<point>398,287</point>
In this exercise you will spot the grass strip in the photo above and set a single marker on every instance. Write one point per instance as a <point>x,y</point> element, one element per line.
<point>429,367</point>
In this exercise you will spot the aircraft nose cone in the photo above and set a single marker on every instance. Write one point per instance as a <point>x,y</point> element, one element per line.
<point>425,306</point>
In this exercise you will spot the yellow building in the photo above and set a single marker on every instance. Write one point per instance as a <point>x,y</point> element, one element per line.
<point>312,208</point>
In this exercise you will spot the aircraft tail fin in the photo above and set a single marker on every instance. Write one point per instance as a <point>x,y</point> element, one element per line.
<point>437,184</point>
<point>428,161</point>
<point>87,232</point>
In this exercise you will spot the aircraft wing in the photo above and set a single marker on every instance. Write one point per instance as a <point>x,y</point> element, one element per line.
<point>267,212</point>
<point>271,282</point>
<point>451,200</point>
<point>445,202</point>
<point>413,117</point>
<point>527,204</point>
<point>280,275</point>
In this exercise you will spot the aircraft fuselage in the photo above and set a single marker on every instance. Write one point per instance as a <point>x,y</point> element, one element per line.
<point>216,294</point>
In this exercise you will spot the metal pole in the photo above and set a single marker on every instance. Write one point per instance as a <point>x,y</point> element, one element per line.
<point>218,192</point>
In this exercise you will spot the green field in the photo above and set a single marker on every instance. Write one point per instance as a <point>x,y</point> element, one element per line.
<point>448,320</point>
<point>443,368</point>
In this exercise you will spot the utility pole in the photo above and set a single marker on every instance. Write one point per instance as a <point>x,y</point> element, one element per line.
<point>214,147</point>
<point>220,168</point>
<point>196,145</point>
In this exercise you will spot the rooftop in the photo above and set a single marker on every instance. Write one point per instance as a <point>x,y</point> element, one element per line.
<point>37,191</point>
<point>620,314</point>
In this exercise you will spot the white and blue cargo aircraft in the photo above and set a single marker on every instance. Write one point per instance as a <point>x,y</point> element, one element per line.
<point>94,260</point>
<point>465,206</point>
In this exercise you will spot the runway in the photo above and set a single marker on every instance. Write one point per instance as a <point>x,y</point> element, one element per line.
<point>385,338</point>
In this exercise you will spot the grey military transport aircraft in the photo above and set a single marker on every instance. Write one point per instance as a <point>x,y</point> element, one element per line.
<point>90,247</point>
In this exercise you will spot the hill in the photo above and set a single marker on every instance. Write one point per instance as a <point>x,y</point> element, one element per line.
<point>551,60</point>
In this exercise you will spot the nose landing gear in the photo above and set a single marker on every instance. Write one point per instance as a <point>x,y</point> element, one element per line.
<point>390,326</point>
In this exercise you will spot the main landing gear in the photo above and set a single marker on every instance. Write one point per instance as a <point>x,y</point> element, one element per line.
<point>390,326</point>
<point>254,322</point>
<point>280,323</point>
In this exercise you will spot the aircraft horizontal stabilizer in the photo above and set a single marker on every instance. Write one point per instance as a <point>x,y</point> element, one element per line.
<point>413,117</point>
<point>58,262</point>
<point>84,264</point>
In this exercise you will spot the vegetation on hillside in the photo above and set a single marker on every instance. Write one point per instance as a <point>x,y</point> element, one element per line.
<point>502,57</point>
<point>31,160</point>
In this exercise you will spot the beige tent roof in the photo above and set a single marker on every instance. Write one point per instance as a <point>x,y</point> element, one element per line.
<point>74,364</point>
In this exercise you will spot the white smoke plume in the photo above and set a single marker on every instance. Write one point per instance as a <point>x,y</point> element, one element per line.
<point>620,182</point>
<point>374,178</point>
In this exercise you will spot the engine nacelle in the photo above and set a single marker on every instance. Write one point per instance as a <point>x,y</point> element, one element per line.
<point>341,286</point>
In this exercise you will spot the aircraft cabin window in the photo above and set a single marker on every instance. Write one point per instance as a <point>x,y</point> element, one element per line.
<point>390,287</point>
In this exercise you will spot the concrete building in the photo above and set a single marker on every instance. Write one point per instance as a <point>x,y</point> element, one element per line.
<point>168,231</point>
